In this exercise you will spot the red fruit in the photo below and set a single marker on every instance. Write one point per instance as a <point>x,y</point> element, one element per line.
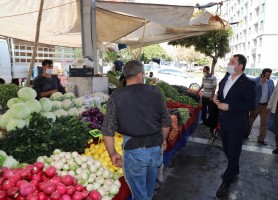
<point>95,195</point>
<point>70,190</point>
<point>39,165</point>
<point>35,182</point>
<point>42,196</point>
<point>12,192</point>
<point>50,172</point>
<point>29,167</point>
<point>32,197</point>
<point>20,197</point>
<point>67,180</point>
<point>3,194</point>
<point>36,177</point>
<point>61,188</point>
<point>44,178</point>
<point>24,174</point>
<point>41,186</point>
<point>65,197</point>
<point>49,188</point>
<point>77,196</point>
<point>78,187</point>
<point>15,178</point>
<point>8,184</point>
<point>84,193</point>
<point>8,174</point>
<point>27,189</point>
<point>56,180</point>
<point>55,196</point>
<point>20,183</point>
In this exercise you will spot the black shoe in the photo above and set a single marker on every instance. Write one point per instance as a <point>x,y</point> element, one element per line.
<point>275,151</point>
<point>262,142</point>
<point>222,175</point>
<point>222,190</point>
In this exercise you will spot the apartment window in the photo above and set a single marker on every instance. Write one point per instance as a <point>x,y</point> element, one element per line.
<point>256,28</point>
<point>261,25</point>
<point>257,11</point>
<point>262,8</point>
<point>249,31</point>
<point>16,53</point>
<point>22,54</point>
<point>22,47</point>
<point>251,2</point>
<point>260,42</point>
<point>255,42</point>
<point>248,45</point>
<point>250,16</point>
<point>259,58</point>
<point>17,60</point>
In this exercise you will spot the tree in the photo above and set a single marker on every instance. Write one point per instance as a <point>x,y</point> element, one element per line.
<point>155,51</point>
<point>214,44</point>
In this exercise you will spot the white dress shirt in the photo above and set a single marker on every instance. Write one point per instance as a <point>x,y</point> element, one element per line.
<point>229,83</point>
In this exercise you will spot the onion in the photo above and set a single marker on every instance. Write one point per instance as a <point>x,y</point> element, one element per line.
<point>50,172</point>
<point>8,174</point>
<point>20,183</point>
<point>61,188</point>
<point>32,197</point>
<point>55,195</point>
<point>15,178</point>
<point>95,195</point>
<point>2,170</point>
<point>3,194</point>
<point>78,187</point>
<point>77,196</point>
<point>65,197</point>
<point>35,170</point>
<point>35,182</point>
<point>41,186</point>
<point>67,180</point>
<point>27,189</point>
<point>49,188</point>
<point>70,190</point>
<point>56,180</point>
<point>36,177</point>
<point>84,194</point>
<point>42,196</point>
<point>8,184</point>
<point>20,197</point>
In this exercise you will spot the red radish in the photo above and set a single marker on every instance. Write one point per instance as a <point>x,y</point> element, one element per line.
<point>24,173</point>
<point>20,197</point>
<point>2,170</point>
<point>95,195</point>
<point>44,178</point>
<point>20,183</point>
<point>3,195</point>
<point>84,193</point>
<point>35,182</point>
<point>74,181</point>
<point>41,186</point>
<point>56,180</point>
<point>8,184</point>
<point>55,195</point>
<point>50,172</point>
<point>36,177</point>
<point>15,178</point>
<point>32,197</point>
<point>27,189</point>
<point>8,174</point>
<point>65,197</point>
<point>70,190</point>
<point>42,196</point>
<point>49,188</point>
<point>67,180</point>
<point>1,181</point>
<point>35,170</point>
<point>78,187</point>
<point>77,196</point>
<point>61,188</point>
<point>13,192</point>
<point>88,198</point>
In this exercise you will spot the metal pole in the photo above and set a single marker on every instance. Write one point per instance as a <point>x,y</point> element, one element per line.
<point>94,36</point>
<point>35,45</point>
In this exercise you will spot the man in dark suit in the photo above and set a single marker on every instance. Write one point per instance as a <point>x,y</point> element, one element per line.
<point>235,98</point>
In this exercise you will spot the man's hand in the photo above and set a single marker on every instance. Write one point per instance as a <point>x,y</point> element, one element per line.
<point>164,145</point>
<point>263,80</point>
<point>223,106</point>
<point>116,159</point>
<point>215,100</point>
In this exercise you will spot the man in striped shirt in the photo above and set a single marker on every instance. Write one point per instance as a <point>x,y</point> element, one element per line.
<point>209,83</point>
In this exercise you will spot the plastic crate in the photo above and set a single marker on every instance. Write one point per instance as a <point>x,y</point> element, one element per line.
<point>81,72</point>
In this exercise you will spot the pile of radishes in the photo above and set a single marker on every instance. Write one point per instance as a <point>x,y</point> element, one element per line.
<point>35,183</point>
<point>86,170</point>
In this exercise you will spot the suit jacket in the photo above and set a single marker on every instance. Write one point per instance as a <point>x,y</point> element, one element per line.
<point>259,92</point>
<point>241,99</point>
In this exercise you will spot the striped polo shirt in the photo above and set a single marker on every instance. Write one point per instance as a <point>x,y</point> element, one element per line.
<point>209,82</point>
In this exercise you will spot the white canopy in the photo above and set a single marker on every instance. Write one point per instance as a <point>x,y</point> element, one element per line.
<point>118,22</point>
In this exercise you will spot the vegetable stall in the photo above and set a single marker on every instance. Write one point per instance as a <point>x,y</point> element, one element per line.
<point>52,148</point>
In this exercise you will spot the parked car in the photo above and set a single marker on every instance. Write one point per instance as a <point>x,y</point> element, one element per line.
<point>176,77</point>
<point>151,67</point>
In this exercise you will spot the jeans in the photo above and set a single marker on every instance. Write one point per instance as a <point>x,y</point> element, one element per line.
<point>140,170</point>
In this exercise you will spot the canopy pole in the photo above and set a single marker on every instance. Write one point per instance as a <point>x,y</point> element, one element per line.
<point>142,40</point>
<point>30,71</point>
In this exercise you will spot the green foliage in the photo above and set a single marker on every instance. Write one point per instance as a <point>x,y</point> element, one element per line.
<point>7,91</point>
<point>203,61</point>
<point>155,51</point>
<point>43,136</point>
<point>169,91</point>
<point>113,77</point>
<point>214,43</point>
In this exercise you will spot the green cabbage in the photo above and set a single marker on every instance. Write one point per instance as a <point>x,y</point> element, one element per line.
<point>73,112</point>
<point>10,162</point>
<point>67,104</point>
<point>33,105</point>
<point>45,104</point>
<point>49,115</point>
<point>20,111</point>
<point>15,123</point>
<point>69,95</point>
<point>4,119</point>
<point>56,105</point>
<point>60,113</point>
<point>78,102</point>
<point>57,96</point>
<point>27,93</point>
<point>13,101</point>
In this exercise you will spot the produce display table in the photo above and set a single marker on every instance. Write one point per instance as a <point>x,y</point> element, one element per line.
<point>189,129</point>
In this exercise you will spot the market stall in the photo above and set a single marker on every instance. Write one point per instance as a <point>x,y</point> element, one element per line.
<point>52,148</point>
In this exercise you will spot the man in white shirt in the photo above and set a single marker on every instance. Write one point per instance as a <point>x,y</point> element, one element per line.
<point>235,98</point>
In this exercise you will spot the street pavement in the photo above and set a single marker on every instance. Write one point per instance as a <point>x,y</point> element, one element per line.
<point>194,173</point>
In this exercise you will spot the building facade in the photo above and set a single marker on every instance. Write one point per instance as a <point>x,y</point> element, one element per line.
<point>256,35</point>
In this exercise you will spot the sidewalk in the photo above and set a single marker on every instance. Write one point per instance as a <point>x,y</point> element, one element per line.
<point>194,173</point>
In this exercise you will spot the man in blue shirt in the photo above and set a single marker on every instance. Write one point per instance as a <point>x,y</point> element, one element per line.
<point>264,89</point>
